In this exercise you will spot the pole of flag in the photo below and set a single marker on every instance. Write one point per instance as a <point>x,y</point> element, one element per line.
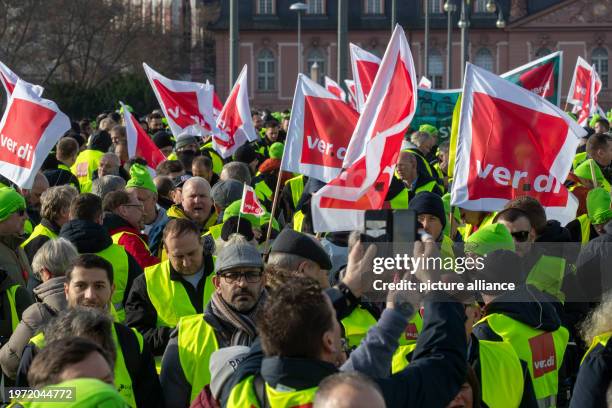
<point>593,177</point>
<point>275,199</point>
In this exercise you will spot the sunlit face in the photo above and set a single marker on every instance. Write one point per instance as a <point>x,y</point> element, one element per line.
<point>89,287</point>
<point>185,253</point>
<point>431,224</point>
<point>148,199</point>
<point>240,287</point>
<point>407,167</point>
<point>197,202</point>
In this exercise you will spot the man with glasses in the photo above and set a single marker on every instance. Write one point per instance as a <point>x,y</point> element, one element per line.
<point>517,222</point>
<point>228,320</point>
<point>12,218</point>
<point>124,219</point>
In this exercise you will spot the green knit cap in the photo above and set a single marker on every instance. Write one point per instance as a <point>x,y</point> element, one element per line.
<point>140,177</point>
<point>233,210</point>
<point>10,201</point>
<point>426,127</point>
<point>86,392</point>
<point>598,206</point>
<point>594,119</point>
<point>488,239</point>
<point>276,150</point>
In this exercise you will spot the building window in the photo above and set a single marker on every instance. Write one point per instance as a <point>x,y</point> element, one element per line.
<point>265,7</point>
<point>315,6</point>
<point>373,7</point>
<point>316,55</point>
<point>436,68</point>
<point>484,59</point>
<point>542,52</point>
<point>599,59</point>
<point>435,6</point>
<point>480,6</point>
<point>265,70</point>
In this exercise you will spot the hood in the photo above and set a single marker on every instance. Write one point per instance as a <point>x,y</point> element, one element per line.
<point>554,232</point>
<point>101,141</point>
<point>87,236</point>
<point>527,305</point>
<point>52,293</point>
<point>298,373</point>
<point>115,223</point>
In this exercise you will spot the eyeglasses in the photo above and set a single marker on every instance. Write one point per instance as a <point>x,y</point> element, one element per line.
<point>521,236</point>
<point>250,277</point>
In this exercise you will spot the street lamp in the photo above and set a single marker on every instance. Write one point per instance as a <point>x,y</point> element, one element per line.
<point>450,8</point>
<point>299,8</point>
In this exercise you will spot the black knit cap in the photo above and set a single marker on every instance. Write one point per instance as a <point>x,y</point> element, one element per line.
<point>245,154</point>
<point>163,139</point>
<point>292,242</point>
<point>428,203</point>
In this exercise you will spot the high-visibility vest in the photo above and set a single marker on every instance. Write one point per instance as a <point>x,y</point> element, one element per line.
<point>117,256</point>
<point>446,247</point>
<point>296,184</point>
<point>298,221</point>
<point>38,231</point>
<point>11,294</point>
<point>28,228</point>
<point>602,340</point>
<point>196,343</point>
<point>243,395</point>
<point>169,298</point>
<point>501,374</point>
<point>542,352</point>
<point>217,161</point>
<point>467,229</point>
<point>356,325</point>
<point>578,159</point>
<point>407,343</point>
<point>116,237</point>
<point>401,200</point>
<point>215,231</point>
<point>83,168</point>
<point>123,381</point>
<point>62,166</point>
<point>263,191</point>
<point>585,229</point>
<point>547,275</point>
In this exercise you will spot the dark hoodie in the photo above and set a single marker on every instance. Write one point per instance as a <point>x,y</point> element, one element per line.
<point>90,238</point>
<point>101,141</point>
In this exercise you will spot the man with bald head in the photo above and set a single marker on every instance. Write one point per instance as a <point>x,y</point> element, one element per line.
<point>348,390</point>
<point>408,181</point>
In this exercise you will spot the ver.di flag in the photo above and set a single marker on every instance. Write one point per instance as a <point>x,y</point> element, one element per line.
<point>352,99</point>
<point>365,66</point>
<point>584,89</point>
<point>235,124</point>
<point>333,87</point>
<point>375,144</point>
<point>511,143</point>
<point>139,143</point>
<point>9,80</point>
<point>250,204</point>
<point>29,129</point>
<point>319,131</point>
<point>188,106</point>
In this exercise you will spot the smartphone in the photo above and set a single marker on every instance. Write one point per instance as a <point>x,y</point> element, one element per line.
<point>404,231</point>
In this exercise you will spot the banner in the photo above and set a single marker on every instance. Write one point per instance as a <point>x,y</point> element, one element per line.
<point>139,143</point>
<point>9,80</point>
<point>542,77</point>
<point>29,129</point>
<point>365,66</point>
<point>435,107</point>
<point>352,99</point>
<point>333,87</point>
<point>510,143</point>
<point>319,131</point>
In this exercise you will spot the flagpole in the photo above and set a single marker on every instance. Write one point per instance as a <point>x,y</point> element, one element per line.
<point>593,177</point>
<point>275,199</point>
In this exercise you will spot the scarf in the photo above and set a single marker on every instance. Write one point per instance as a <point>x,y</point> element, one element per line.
<point>240,328</point>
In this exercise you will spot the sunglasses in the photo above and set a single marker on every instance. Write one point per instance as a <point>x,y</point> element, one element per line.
<point>521,236</point>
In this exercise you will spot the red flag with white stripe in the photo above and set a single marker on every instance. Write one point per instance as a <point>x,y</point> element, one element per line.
<point>250,204</point>
<point>139,143</point>
<point>320,129</point>
<point>375,145</point>
<point>235,124</point>
<point>9,80</point>
<point>188,106</point>
<point>512,142</point>
<point>333,87</point>
<point>584,89</point>
<point>29,129</point>
<point>365,66</point>
<point>352,99</point>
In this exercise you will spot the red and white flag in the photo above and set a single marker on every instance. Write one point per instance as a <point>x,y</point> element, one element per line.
<point>188,106</point>
<point>512,142</point>
<point>320,129</point>
<point>424,83</point>
<point>250,204</point>
<point>217,104</point>
<point>235,124</point>
<point>365,66</point>
<point>333,87</point>
<point>352,99</point>
<point>375,144</point>
<point>9,80</point>
<point>139,143</point>
<point>584,89</point>
<point>29,129</point>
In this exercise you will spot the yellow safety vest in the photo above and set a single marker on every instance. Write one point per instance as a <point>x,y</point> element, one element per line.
<point>579,159</point>
<point>297,189</point>
<point>547,275</point>
<point>176,212</point>
<point>298,221</point>
<point>217,161</point>
<point>38,231</point>
<point>83,168</point>
<point>263,192</point>
<point>585,229</point>
<point>467,229</point>
<point>501,374</point>
<point>64,167</point>
<point>356,325</point>
<point>243,395</point>
<point>407,344</point>
<point>400,201</point>
<point>169,298</point>
<point>123,381</point>
<point>215,231</point>
<point>117,256</point>
<point>11,294</point>
<point>196,343</point>
<point>542,351</point>
<point>597,340</point>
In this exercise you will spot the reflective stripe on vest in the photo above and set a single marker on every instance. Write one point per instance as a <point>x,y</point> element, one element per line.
<point>585,229</point>
<point>84,167</point>
<point>196,343</point>
<point>547,275</point>
<point>356,325</point>
<point>597,340</point>
<point>169,298</point>
<point>117,256</point>
<point>542,351</point>
<point>298,221</point>
<point>10,294</point>
<point>38,231</point>
<point>123,381</point>
<point>501,374</point>
<point>297,189</point>
<point>116,237</point>
<point>407,343</point>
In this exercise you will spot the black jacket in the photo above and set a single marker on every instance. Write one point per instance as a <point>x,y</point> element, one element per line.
<point>593,378</point>
<point>60,177</point>
<point>89,238</point>
<point>141,314</point>
<point>140,367</point>
<point>34,245</point>
<point>593,266</point>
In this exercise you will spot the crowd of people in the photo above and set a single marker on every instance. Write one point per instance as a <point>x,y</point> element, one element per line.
<point>158,292</point>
